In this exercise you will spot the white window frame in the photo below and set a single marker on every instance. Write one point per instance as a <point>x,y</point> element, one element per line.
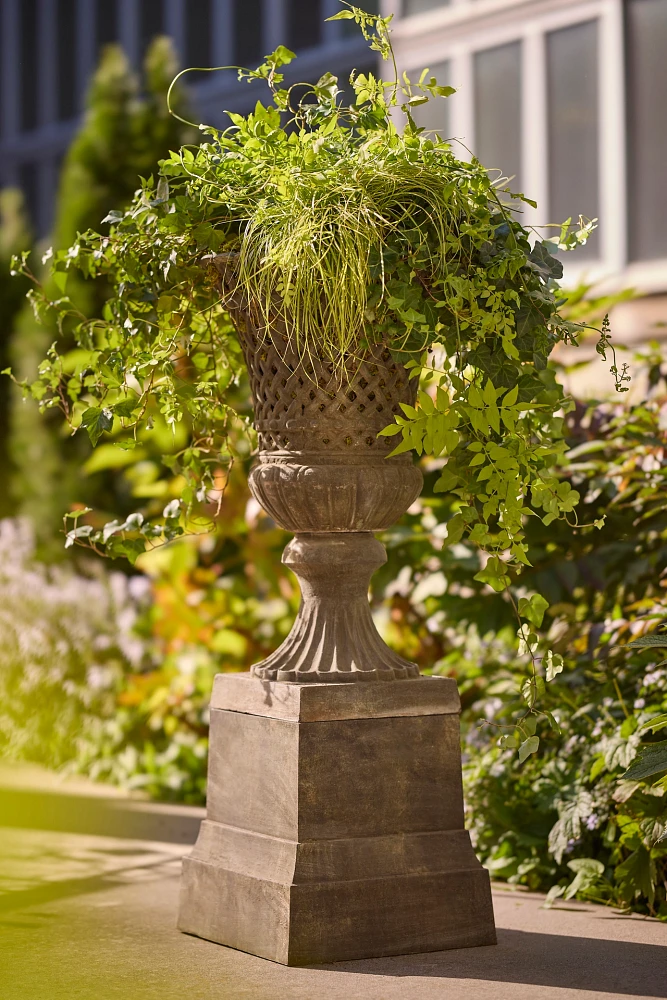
<point>455,32</point>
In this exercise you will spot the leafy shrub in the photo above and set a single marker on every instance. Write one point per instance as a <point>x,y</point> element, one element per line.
<point>218,603</point>
<point>112,676</point>
<point>566,817</point>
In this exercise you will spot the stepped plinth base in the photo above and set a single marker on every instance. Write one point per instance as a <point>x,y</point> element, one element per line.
<point>334,828</point>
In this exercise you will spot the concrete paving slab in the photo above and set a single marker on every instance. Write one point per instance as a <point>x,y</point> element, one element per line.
<point>87,917</point>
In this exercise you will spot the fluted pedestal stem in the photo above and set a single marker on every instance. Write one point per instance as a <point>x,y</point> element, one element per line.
<point>334,637</point>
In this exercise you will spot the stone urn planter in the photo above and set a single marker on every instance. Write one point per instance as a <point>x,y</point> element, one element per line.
<point>334,824</point>
<point>323,473</point>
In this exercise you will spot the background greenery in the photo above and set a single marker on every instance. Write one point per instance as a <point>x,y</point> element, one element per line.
<point>111,673</point>
<point>125,130</point>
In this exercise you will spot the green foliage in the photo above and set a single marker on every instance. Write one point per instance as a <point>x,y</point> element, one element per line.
<point>344,232</point>
<point>122,136</point>
<point>590,813</point>
<point>112,676</point>
<point>570,817</point>
<point>15,238</point>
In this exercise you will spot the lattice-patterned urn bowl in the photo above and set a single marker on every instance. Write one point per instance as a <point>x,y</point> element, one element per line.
<point>324,473</point>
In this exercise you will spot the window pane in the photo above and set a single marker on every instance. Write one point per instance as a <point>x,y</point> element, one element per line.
<point>646,36</point>
<point>304,23</point>
<point>199,36</point>
<point>419,6</point>
<point>106,23</point>
<point>435,114</point>
<point>151,22</point>
<point>572,86</point>
<point>66,60</point>
<point>248,47</point>
<point>28,63</point>
<point>498,111</point>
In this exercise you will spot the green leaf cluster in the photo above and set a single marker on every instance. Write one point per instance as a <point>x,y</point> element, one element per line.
<point>125,130</point>
<point>345,230</point>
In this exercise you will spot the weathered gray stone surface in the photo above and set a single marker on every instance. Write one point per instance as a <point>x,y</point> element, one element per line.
<point>323,702</point>
<point>336,839</point>
<point>334,638</point>
<point>93,918</point>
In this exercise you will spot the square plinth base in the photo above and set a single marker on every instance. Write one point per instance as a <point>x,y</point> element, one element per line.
<point>334,827</point>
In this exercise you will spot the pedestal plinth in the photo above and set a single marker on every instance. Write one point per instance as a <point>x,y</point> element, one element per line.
<point>334,828</point>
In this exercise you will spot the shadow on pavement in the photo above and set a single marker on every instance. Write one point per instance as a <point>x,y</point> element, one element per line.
<point>555,960</point>
<point>98,816</point>
<point>48,892</point>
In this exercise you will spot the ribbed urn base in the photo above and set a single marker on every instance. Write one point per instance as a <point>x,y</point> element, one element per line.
<point>334,637</point>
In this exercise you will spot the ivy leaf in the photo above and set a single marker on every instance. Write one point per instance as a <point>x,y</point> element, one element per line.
<point>495,574</point>
<point>172,510</point>
<point>83,531</point>
<point>541,261</point>
<point>508,741</point>
<point>531,688</point>
<point>533,608</point>
<point>528,725</point>
<point>503,372</point>
<point>455,528</point>
<point>447,482</point>
<point>531,745</point>
<point>130,548</point>
<point>553,663</point>
<point>60,280</point>
<point>126,407</point>
<point>96,420</point>
<point>79,512</point>
<point>110,528</point>
<point>553,722</point>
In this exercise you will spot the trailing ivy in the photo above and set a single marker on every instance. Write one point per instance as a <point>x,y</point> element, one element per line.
<point>349,231</point>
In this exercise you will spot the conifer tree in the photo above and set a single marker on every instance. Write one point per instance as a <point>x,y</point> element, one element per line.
<point>15,237</point>
<point>123,135</point>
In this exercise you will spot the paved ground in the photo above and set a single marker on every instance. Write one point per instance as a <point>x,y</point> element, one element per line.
<point>91,917</point>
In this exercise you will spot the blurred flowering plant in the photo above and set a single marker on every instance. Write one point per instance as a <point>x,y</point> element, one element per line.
<point>66,640</point>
